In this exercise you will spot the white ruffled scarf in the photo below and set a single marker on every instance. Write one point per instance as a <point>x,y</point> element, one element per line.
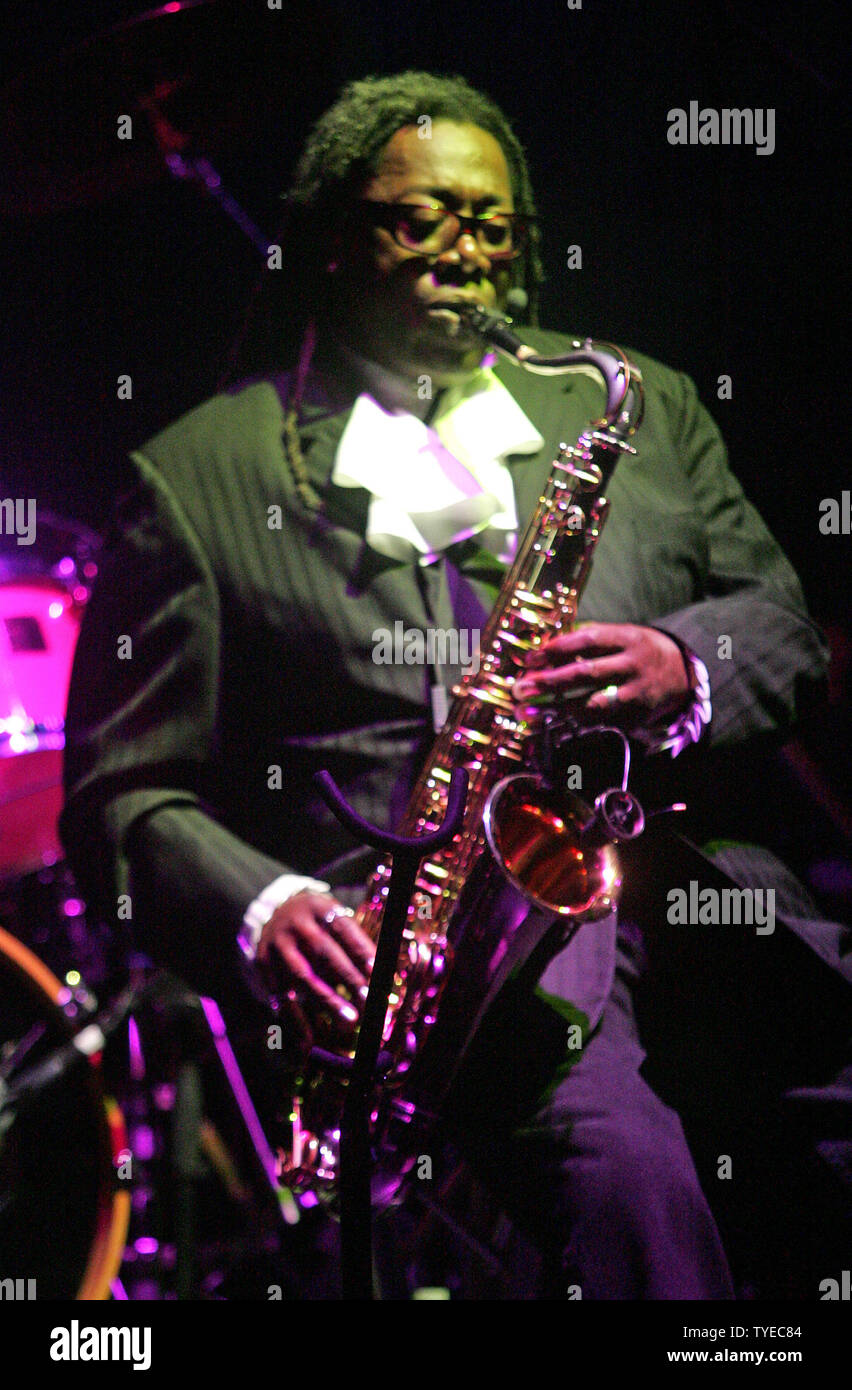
<point>434,485</point>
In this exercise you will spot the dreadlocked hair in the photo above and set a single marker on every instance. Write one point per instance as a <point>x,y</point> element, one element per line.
<point>343,150</point>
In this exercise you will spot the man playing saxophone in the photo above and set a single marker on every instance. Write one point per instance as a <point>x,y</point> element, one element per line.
<point>270,534</point>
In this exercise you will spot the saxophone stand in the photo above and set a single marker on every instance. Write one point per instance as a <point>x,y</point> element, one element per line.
<point>369,1064</point>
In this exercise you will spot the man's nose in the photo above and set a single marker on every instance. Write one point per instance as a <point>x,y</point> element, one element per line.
<point>465,250</point>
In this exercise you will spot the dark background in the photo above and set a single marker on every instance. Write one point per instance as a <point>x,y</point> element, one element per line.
<point>716,260</point>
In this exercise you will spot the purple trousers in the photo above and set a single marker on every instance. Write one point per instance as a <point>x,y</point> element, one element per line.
<point>601,1177</point>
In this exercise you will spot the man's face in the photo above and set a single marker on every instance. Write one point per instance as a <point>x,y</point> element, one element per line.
<point>385,296</point>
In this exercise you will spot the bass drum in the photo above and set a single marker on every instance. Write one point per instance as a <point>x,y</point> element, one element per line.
<point>39,624</point>
<point>44,589</point>
<point>63,1213</point>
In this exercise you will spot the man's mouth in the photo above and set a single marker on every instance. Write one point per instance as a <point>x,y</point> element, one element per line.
<point>447,311</point>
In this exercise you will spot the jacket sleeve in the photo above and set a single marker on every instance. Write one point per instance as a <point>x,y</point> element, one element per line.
<point>141,722</point>
<point>751,630</point>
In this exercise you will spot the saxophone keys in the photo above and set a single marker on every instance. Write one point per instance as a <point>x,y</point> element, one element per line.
<point>438,774</point>
<point>472,736</point>
<point>530,599</point>
<point>506,635</point>
<point>493,697</point>
<point>528,616</point>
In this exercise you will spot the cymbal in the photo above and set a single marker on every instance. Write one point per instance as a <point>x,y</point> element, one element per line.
<point>56,537</point>
<point>193,76</point>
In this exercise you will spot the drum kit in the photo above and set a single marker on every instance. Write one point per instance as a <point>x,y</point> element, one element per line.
<point>71,1160</point>
<point>64,1143</point>
<point>41,605</point>
<point>62,1139</point>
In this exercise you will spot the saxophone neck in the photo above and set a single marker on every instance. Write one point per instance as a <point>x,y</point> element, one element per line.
<point>622,381</point>
<point>608,364</point>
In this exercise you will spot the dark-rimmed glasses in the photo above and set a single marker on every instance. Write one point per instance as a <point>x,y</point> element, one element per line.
<point>429,231</point>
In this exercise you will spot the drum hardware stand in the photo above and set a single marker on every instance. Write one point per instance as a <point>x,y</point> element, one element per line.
<point>190,1143</point>
<point>93,1033</point>
<point>195,168</point>
<point>288,1212</point>
<point>369,1064</point>
<point>89,1039</point>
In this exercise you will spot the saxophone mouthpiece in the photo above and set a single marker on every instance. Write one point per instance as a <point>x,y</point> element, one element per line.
<point>495,328</point>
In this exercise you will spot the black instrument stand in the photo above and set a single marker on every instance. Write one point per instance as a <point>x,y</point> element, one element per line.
<point>369,1065</point>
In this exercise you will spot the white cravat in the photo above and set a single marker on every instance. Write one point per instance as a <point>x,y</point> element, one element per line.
<point>435,485</point>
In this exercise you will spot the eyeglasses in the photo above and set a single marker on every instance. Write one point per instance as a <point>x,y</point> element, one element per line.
<point>501,236</point>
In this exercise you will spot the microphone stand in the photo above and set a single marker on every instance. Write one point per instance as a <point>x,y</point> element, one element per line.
<point>369,1064</point>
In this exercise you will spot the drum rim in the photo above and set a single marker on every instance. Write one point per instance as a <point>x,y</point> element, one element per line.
<point>112,1218</point>
<point>51,583</point>
<point>39,740</point>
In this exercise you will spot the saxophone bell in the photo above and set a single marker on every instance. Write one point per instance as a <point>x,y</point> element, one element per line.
<point>557,850</point>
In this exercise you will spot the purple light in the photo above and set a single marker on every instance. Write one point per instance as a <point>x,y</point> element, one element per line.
<point>80,593</point>
<point>73,907</point>
<point>164,1095</point>
<point>66,565</point>
<point>134,1047</point>
<point>146,1245</point>
<point>90,569</point>
<point>143,1142</point>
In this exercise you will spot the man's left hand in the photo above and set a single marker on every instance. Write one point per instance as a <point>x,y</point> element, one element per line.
<point>637,674</point>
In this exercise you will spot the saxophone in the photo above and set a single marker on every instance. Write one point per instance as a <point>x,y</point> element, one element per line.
<point>555,849</point>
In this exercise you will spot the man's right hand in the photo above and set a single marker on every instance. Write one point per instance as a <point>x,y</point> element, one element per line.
<point>310,949</point>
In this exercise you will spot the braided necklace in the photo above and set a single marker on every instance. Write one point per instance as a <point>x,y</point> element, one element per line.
<point>308,495</point>
<point>310,498</point>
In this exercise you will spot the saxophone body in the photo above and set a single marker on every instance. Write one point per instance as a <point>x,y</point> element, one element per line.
<point>556,850</point>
